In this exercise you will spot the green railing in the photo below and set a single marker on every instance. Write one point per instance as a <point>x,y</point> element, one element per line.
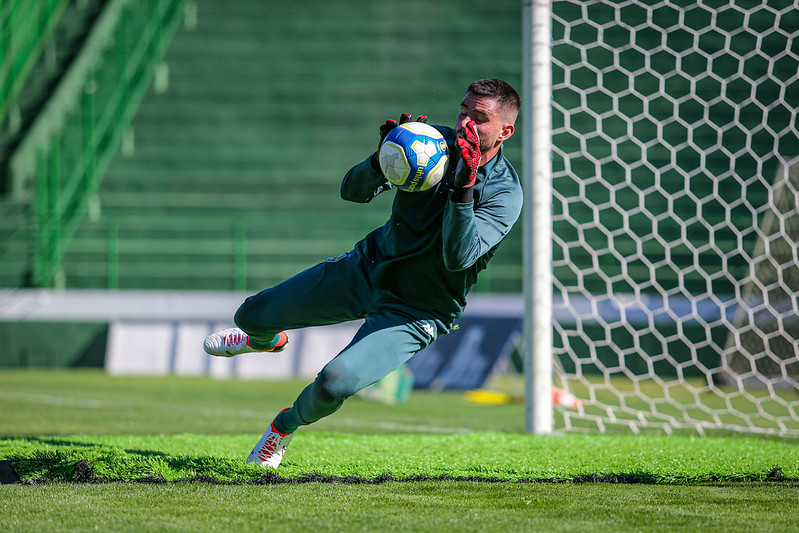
<point>25,27</point>
<point>237,256</point>
<point>59,163</point>
<point>116,252</point>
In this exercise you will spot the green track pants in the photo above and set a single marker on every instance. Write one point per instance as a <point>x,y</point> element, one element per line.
<point>335,291</point>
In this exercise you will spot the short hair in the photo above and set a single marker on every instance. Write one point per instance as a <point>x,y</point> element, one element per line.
<point>505,95</point>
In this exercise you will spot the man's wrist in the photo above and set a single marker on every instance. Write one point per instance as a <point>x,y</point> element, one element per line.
<point>462,195</point>
<point>375,163</point>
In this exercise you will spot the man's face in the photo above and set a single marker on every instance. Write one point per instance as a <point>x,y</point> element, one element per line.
<point>492,125</point>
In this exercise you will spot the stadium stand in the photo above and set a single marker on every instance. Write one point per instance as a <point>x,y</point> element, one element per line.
<point>56,31</point>
<point>229,178</point>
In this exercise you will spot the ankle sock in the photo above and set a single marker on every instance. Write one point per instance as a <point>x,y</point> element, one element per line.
<point>257,344</point>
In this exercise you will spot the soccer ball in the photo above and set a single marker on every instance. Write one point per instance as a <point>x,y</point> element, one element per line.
<point>414,156</point>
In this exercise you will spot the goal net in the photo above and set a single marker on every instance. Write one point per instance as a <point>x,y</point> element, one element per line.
<point>675,191</point>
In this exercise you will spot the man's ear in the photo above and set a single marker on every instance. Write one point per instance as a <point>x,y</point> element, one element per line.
<point>507,131</point>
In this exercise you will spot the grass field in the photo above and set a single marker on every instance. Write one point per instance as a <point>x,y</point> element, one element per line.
<point>166,454</point>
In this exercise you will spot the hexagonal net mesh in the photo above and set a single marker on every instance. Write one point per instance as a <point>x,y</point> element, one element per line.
<point>675,192</point>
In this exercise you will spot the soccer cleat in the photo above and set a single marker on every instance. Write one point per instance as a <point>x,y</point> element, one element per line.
<point>233,341</point>
<point>270,449</point>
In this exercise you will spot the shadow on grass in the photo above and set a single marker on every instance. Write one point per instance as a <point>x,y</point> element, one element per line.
<point>72,465</point>
<point>82,471</point>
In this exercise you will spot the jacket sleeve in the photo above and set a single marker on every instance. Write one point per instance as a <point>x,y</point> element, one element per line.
<point>470,232</point>
<point>363,182</point>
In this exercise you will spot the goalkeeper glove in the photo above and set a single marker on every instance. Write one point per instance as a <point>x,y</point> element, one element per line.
<point>469,146</point>
<point>385,128</point>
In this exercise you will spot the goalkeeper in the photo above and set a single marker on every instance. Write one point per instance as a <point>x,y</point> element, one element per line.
<point>408,279</point>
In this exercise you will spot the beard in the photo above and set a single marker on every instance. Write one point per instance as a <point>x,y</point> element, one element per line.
<point>486,144</point>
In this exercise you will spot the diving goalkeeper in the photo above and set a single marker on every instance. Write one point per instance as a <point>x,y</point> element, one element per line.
<point>407,280</point>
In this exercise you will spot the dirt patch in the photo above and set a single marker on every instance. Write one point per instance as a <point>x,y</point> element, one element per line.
<point>84,473</point>
<point>7,474</point>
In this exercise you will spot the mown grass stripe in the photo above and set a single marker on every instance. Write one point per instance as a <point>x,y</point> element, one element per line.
<point>365,458</point>
<point>87,403</point>
<point>84,473</point>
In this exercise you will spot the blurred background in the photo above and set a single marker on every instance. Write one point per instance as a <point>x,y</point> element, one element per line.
<point>221,132</point>
<point>162,159</point>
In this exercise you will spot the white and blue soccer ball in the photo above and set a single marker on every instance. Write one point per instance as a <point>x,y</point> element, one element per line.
<point>414,156</point>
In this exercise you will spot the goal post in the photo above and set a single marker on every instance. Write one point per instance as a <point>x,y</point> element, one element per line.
<point>673,231</point>
<point>537,223</point>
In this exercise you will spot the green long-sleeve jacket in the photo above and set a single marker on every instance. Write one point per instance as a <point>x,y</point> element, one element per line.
<point>427,256</point>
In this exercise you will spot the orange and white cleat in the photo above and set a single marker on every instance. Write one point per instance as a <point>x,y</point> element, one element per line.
<point>234,341</point>
<point>270,449</point>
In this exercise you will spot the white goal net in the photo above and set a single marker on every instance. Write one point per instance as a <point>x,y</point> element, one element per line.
<point>675,192</point>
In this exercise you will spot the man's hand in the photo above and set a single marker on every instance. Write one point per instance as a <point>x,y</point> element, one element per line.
<point>385,128</point>
<point>469,145</point>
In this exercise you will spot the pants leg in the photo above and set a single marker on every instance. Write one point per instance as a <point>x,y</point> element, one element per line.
<point>383,343</point>
<point>334,291</point>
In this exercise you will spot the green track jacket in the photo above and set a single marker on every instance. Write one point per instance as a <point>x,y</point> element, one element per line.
<point>425,259</point>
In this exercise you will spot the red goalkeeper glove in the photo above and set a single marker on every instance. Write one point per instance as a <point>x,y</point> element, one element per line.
<point>469,146</point>
<point>385,128</point>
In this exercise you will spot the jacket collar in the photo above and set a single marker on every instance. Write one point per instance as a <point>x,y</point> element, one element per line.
<point>485,171</point>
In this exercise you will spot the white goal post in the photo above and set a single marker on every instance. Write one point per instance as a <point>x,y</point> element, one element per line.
<point>537,221</point>
<point>661,172</point>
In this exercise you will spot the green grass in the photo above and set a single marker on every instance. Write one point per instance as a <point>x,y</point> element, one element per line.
<point>490,456</point>
<point>182,435</point>
<point>419,507</point>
